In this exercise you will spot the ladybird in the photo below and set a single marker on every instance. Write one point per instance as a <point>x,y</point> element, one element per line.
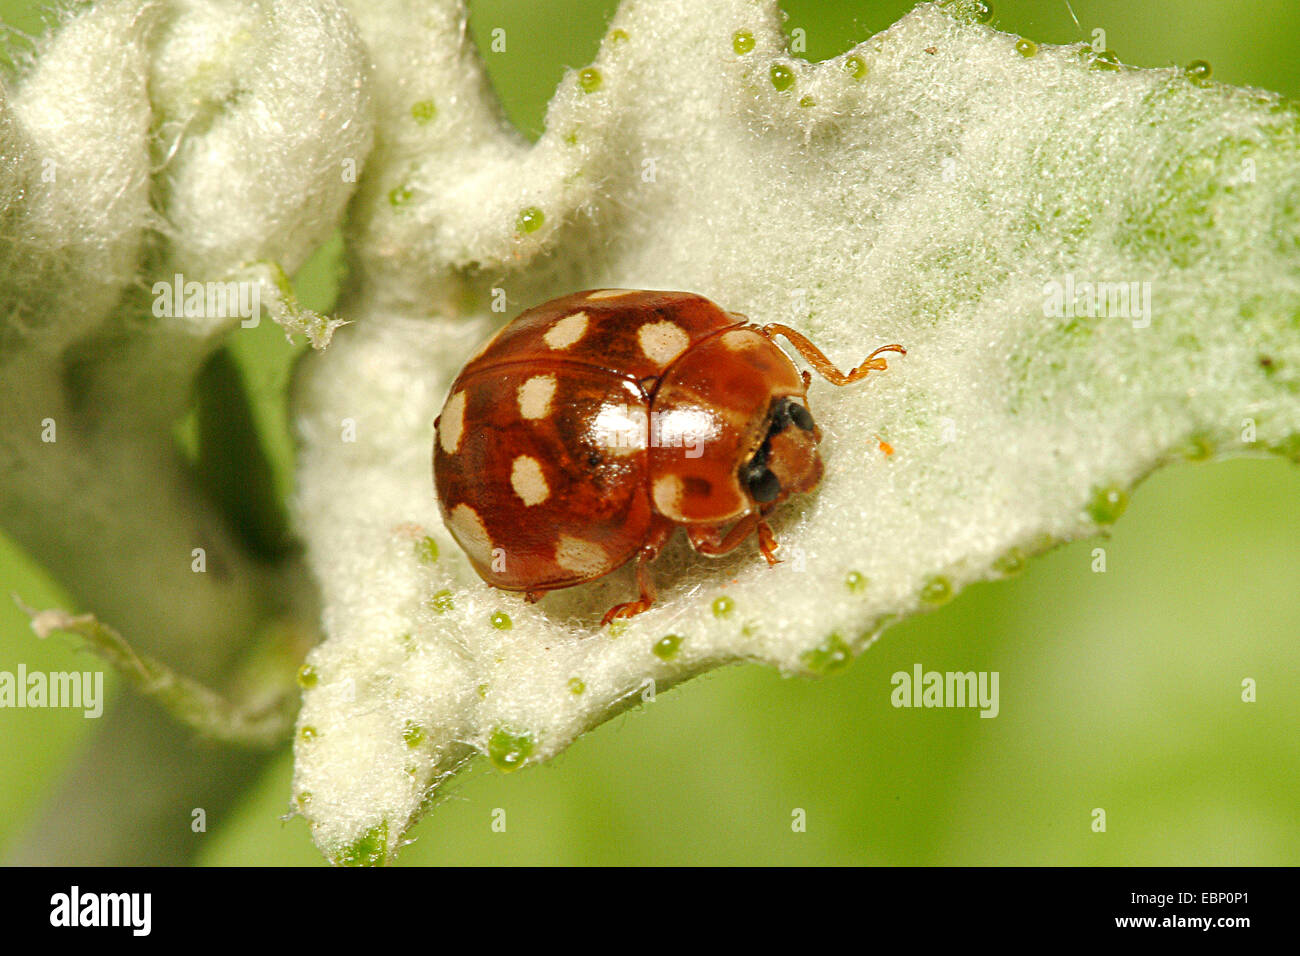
<point>592,426</point>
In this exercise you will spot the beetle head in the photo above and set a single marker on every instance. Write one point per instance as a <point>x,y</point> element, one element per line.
<point>786,463</point>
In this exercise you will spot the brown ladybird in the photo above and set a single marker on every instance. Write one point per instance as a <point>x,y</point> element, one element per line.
<point>592,426</point>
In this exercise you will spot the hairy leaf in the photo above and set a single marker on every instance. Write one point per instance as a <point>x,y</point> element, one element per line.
<point>1094,270</point>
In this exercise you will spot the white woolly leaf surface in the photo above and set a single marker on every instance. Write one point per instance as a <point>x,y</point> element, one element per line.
<point>927,202</point>
<point>140,139</point>
<point>263,112</point>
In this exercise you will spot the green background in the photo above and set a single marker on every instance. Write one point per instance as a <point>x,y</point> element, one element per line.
<point>1119,690</point>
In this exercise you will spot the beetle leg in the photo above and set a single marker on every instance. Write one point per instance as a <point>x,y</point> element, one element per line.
<point>645,581</point>
<point>709,540</point>
<point>532,597</point>
<point>767,543</point>
<point>818,360</point>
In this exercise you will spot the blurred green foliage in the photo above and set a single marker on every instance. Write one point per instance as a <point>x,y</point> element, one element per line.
<point>1119,690</point>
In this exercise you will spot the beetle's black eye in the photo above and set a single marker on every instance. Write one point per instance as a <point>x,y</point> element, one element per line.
<point>787,411</point>
<point>800,416</point>
<point>762,484</point>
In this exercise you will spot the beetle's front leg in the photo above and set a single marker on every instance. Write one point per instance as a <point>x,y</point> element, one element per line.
<point>767,543</point>
<point>709,539</point>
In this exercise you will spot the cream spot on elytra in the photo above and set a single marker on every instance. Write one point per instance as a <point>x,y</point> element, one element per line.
<point>528,481</point>
<point>469,531</point>
<point>452,423</point>
<point>534,396</point>
<point>567,331</point>
<point>662,341</point>
<point>581,557</point>
<point>610,293</point>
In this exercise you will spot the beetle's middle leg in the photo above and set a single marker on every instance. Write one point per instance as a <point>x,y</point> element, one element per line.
<point>645,582</point>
